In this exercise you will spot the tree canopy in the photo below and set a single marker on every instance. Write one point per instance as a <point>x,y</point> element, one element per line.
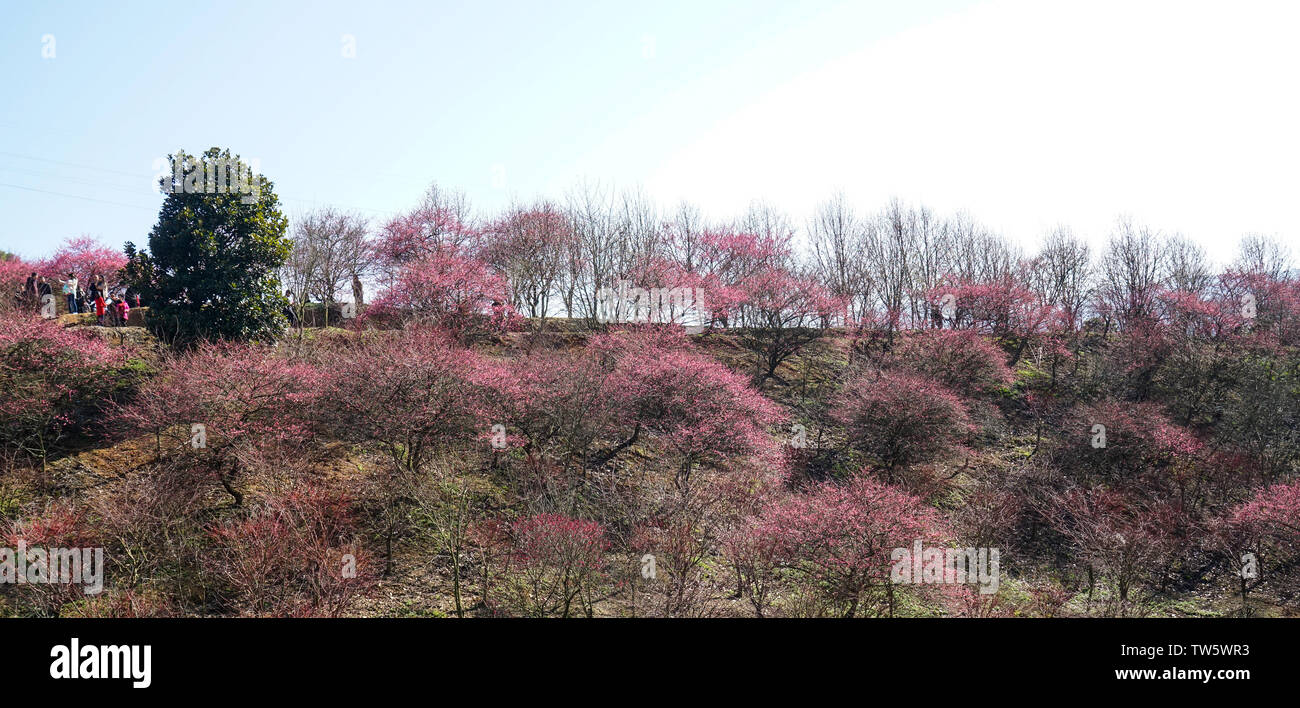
<point>211,267</point>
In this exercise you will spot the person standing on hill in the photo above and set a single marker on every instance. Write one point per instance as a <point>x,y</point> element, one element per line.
<point>30,296</point>
<point>290,312</point>
<point>70,291</point>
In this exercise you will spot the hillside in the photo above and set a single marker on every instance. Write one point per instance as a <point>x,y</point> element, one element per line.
<point>637,472</point>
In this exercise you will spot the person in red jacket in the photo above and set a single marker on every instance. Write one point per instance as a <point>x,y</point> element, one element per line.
<point>123,309</point>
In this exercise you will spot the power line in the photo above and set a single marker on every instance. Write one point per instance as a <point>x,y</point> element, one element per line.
<point>137,206</point>
<point>78,180</point>
<point>73,164</point>
<point>386,212</point>
<point>75,196</point>
<point>141,174</point>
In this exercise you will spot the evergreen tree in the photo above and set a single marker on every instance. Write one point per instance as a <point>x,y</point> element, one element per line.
<point>211,268</point>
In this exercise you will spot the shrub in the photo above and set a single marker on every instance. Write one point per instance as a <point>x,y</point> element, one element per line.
<point>899,419</point>
<point>293,555</point>
<point>838,539</point>
<point>50,379</point>
<point>558,563</point>
<point>961,360</point>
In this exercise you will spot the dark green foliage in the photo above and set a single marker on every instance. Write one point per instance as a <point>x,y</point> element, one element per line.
<point>210,271</point>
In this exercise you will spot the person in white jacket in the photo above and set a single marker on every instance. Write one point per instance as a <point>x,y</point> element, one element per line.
<point>70,291</point>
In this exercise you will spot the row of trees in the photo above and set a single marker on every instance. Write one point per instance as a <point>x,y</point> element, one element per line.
<point>1121,425</point>
<point>218,264</point>
<point>900,269</point>
<point>556,258</point>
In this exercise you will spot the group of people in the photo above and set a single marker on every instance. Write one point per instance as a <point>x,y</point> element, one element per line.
<point>111,306</point>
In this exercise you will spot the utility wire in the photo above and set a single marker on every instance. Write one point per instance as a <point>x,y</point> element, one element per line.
<point>75,196</point>
<point>386,212</point>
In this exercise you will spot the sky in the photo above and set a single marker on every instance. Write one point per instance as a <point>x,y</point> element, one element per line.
<point>1025,114</point>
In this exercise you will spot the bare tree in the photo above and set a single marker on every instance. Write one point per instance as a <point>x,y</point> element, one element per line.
<point>1259,254</point>
<point>764,220</point>
<point>330,248</point>
<point>1061,274</point>
<point>683,240</point>
<point>1186,266</point>
<point>298,273</point>
<point>640,233</point>
<point>840,243</point>
<point>590,263</point>
<point>1131,274</point>
<point>977,253</point>
<point>890,256</point>
<point>933,252</point>
<point>529,246</point>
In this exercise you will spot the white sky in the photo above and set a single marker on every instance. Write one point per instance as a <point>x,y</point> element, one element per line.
<point>1182,115</point>
<point>1028,114</point>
